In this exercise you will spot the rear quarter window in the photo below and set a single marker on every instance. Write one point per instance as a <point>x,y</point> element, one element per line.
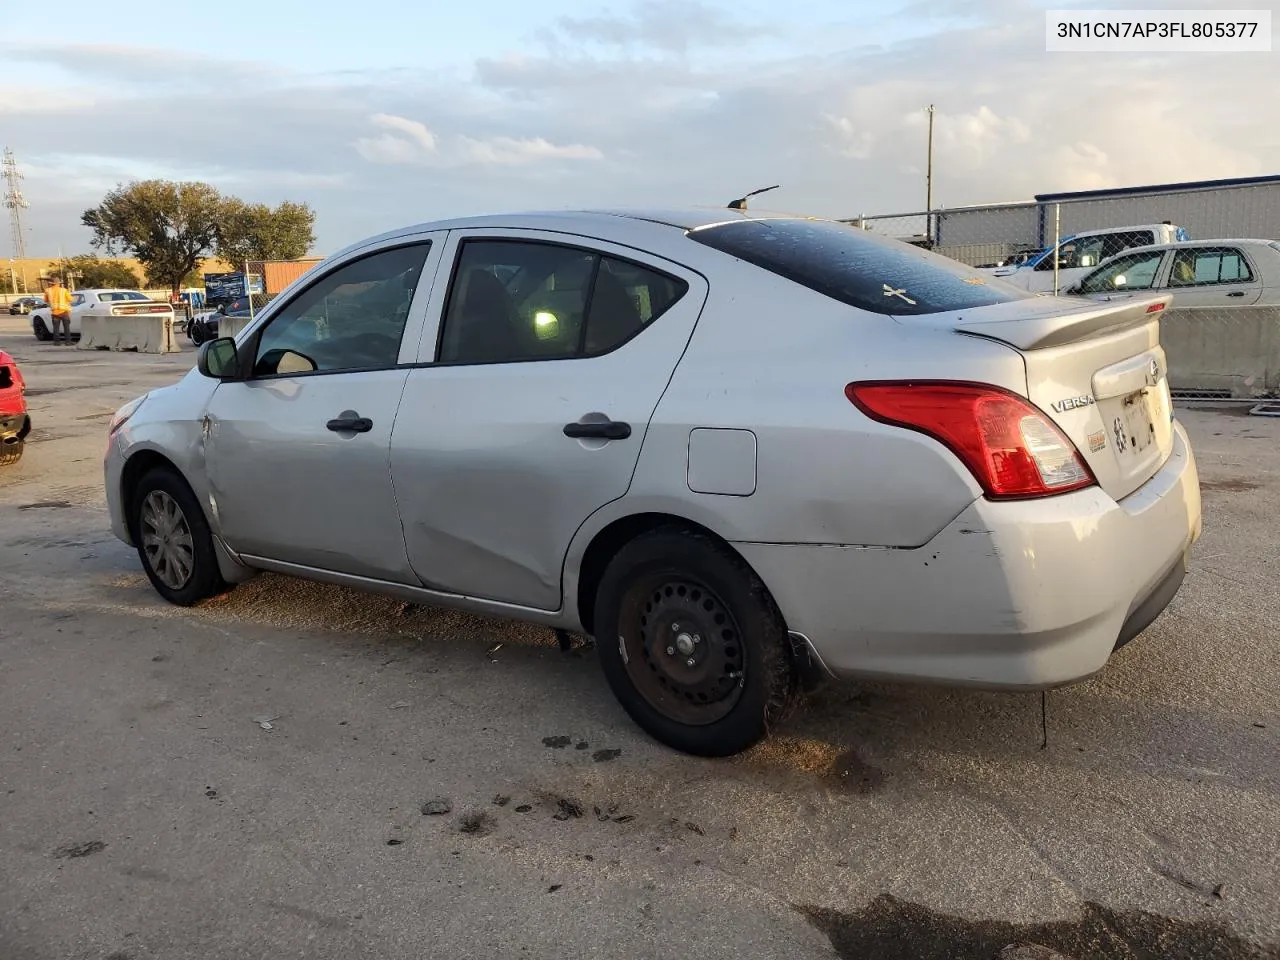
<point>857,268</point>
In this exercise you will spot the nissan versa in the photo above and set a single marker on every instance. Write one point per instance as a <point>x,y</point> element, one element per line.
<point>739,450</point>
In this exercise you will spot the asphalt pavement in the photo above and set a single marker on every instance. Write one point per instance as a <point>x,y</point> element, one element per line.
<point>248,778</point>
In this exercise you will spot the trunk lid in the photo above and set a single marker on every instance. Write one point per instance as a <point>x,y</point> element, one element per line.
<point>1097,370</point>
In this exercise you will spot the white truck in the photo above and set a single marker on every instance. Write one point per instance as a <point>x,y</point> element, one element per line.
<point>1081,252</point>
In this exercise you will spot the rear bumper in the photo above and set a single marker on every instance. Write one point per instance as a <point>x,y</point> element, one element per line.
<point>1020,595</point>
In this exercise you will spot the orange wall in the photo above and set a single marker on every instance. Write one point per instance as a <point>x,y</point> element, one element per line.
<point>278,274</point>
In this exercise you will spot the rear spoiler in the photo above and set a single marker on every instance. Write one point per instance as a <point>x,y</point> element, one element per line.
<point>1055,330</point>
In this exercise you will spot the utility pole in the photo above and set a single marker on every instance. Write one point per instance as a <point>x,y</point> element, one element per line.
<point>928,181</point>
<point>16,203</point>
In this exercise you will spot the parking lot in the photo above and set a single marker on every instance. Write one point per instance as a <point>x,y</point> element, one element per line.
<point>294,770</point>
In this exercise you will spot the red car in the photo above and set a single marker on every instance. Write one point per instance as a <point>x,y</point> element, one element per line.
<point>15,424</point>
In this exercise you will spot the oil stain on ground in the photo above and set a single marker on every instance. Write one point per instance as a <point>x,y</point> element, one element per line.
<point>891,928</point>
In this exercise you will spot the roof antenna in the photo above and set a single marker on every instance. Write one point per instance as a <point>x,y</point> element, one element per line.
<point>741,202</point>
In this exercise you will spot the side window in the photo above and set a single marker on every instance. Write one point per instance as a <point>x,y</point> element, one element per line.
<point>1208,265</point>
<point>1137,271</point>
<point>626,299</point>
<point>516,300</point>
<point>77,299</point>
<point>1091,251</point>
<point>1067,256</point>
<point>350,319</point>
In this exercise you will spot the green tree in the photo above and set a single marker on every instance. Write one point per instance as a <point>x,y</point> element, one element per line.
<point>90,272</point>
<point>170,227</point>
<point>254,231</point>
<point>193,279</point>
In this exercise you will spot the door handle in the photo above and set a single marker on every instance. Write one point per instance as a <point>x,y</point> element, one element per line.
<point>608,430</point>
<point>1236,293</point>
<point>350,425</point>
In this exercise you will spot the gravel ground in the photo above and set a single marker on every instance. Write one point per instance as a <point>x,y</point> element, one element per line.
<point>147,811</point>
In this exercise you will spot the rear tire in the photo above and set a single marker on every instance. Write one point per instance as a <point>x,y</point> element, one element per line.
<point>693,645</point>
<point>11,453</point>
<point>173,539</point>
<point>41,331</point>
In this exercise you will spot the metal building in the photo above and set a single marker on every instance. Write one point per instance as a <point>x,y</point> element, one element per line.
<point>1239,207</point>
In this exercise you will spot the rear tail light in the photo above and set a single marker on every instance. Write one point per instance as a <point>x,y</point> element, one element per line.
<point>1013,450</point>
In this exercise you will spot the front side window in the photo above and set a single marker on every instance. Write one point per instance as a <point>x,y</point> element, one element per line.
<point>1208,265</point>
<point>1065,253</point>
<point>350,319</point>
<point>1091,251</point>
<point>1136,271</point>
<point>515,300</point>
<point>855,267</point>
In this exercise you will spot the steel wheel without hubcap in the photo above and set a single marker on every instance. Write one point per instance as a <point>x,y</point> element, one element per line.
<point>166,540</point>
<point>686,657</point>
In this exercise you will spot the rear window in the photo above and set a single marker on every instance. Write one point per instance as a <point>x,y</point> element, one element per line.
<point>854,267</point>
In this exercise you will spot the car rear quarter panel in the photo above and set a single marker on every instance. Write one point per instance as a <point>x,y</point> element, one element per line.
<point>772,357</point>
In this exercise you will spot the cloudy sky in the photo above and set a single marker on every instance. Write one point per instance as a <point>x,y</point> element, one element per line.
<point>394,112</point>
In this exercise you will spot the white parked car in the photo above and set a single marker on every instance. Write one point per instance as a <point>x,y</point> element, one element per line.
<point>82,301</point>
<point>1080,253</point>
<point>1200,273</point>
<point>735,448</point>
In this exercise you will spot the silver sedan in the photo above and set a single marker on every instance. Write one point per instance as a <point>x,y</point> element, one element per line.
<point>742,451</point>
<point>1198,273</point>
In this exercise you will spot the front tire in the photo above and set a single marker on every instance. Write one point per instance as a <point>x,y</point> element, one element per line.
<point>173,539</point>
<point>693,645</point>
<point>11,453</point>
<point>41,331</point>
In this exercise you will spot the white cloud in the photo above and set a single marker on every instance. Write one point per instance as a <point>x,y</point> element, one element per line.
<point>669,26</point>
<point>413,143</point>
<point>26,98</point>
<point>852,140</point>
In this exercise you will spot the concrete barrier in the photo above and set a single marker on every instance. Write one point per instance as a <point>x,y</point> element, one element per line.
<point>231,326</point>
<point>1235,349</point>
<point>144,334</point>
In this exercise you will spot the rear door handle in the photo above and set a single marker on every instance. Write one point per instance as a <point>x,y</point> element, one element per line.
<point>350,425</point>
<point>1236,293</point>
<point>608,430</point>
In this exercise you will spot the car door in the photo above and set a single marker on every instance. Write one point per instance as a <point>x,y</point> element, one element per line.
<point>551,353</point>
<point>1216,276</point>
<point>298,454</point>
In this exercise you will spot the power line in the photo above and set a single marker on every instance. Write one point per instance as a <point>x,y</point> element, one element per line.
<point>16,203</point>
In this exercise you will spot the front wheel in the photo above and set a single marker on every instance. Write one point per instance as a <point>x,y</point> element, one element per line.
<point>40,330</point>
<point>11,453</point>
<point>692,644</point>
<point>173,539</point>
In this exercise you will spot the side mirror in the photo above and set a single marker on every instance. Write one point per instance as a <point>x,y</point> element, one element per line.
<point>218,359</point>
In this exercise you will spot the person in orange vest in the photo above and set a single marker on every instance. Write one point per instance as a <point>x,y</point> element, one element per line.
<point>59,299</point>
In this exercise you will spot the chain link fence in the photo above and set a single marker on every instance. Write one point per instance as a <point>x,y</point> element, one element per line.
<point>233,300</point>
<point>1222,333</point>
